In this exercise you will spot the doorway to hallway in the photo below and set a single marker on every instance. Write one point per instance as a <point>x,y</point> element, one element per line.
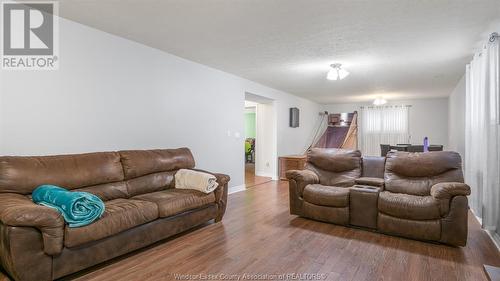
<point>251,179</point>
<point>259,140</point>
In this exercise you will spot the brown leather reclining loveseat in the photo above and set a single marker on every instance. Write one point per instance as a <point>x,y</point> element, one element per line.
<point>415,195</point>
<point>142,207</point>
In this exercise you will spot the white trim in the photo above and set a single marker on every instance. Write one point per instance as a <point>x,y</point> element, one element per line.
<point>266,146</point>
<point>238,188</point>
<point>495,238</point>
<point>267,175</point>
<point>480,220</point>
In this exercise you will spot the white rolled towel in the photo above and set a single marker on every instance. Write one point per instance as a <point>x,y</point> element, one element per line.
<point>189,179</point>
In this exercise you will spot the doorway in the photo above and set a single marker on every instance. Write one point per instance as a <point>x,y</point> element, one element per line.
<point>260,140</point>
<point>250,143</point>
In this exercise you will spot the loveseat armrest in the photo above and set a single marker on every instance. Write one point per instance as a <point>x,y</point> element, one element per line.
<point>220,192</point>
<point>447,190</point>
<point>302,178</point>
<point>377,182</point>
<point>19,210</point>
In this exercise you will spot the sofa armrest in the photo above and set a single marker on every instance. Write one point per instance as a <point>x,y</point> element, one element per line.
<point>18,210</point>
<point>223,181</point>
<point>302,178</point>
<point>447,190</point>
<point>220,192</point>
<point>377,182</point>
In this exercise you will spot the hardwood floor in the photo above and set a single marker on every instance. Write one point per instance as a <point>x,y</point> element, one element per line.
<point>251,179</point>
<point>259,236</point>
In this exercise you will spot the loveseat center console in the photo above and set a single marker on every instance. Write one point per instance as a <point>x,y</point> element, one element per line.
<point>363,205</point>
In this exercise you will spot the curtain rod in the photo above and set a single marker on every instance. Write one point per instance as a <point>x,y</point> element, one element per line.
<point>380,106</point>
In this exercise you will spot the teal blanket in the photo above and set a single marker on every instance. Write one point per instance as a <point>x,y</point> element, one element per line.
<point>77,208</point>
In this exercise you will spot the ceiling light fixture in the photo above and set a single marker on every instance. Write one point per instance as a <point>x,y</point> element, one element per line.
<point>337,72</point>
<point>379,101</point>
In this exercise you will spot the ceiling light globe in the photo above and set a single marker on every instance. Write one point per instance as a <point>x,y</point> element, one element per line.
<point>332,75</point>
<point>343,73</point>
<point>336,72</point>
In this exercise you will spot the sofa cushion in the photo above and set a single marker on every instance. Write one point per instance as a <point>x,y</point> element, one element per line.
<point>120,215</point>
<point>107,191</point>
<point>22,174</point>
<point>138,163</point>
<point>416,173</point>
<point>408,206</point>
<point>334,160</point>
<point>174,201</point>
<point>407,164</point>
<point>323,195</point>
<point>335,167</point>
<point>150,183</point>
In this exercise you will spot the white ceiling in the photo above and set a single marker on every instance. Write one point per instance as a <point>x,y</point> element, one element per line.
<point>400,49</point>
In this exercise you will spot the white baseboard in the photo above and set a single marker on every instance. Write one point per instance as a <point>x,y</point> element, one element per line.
<point>234,189</point>
<point>480,220</point>
<point>495,238</point>
<point>243,187</point>
<point>267,175</point>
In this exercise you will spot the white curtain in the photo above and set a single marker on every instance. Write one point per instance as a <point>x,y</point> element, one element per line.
<point>383,125</point>
<point>482,153</point>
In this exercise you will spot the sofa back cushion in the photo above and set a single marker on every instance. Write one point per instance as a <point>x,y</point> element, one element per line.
<point>22,174</point>
<point>151,183</point>
<point>107,191</point>
<point>373,166</point>
<point>138,163</point>
<point>416,173</point>
<point>335,167</point>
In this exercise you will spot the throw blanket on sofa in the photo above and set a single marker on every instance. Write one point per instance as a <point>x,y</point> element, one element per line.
<point>77,208</point>
<point>189,179</point>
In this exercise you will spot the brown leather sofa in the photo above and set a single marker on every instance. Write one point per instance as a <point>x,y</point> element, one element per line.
<point>142,207</point>
<point>415,195</point>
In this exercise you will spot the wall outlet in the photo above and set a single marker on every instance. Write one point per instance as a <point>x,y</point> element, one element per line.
<point>267,164</point>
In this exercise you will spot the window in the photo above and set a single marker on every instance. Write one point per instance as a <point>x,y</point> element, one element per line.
<point>383,125</point>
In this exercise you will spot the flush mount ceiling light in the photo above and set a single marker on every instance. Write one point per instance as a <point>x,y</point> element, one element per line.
<point>337,72</point>
<point>379,101</point>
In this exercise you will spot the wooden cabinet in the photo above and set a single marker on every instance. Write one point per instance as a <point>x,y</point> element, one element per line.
<point>291,162</point>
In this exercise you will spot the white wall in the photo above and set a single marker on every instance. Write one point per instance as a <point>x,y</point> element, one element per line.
<point>110,93</point>
<point>428,117</point>
<point>456,118</point>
